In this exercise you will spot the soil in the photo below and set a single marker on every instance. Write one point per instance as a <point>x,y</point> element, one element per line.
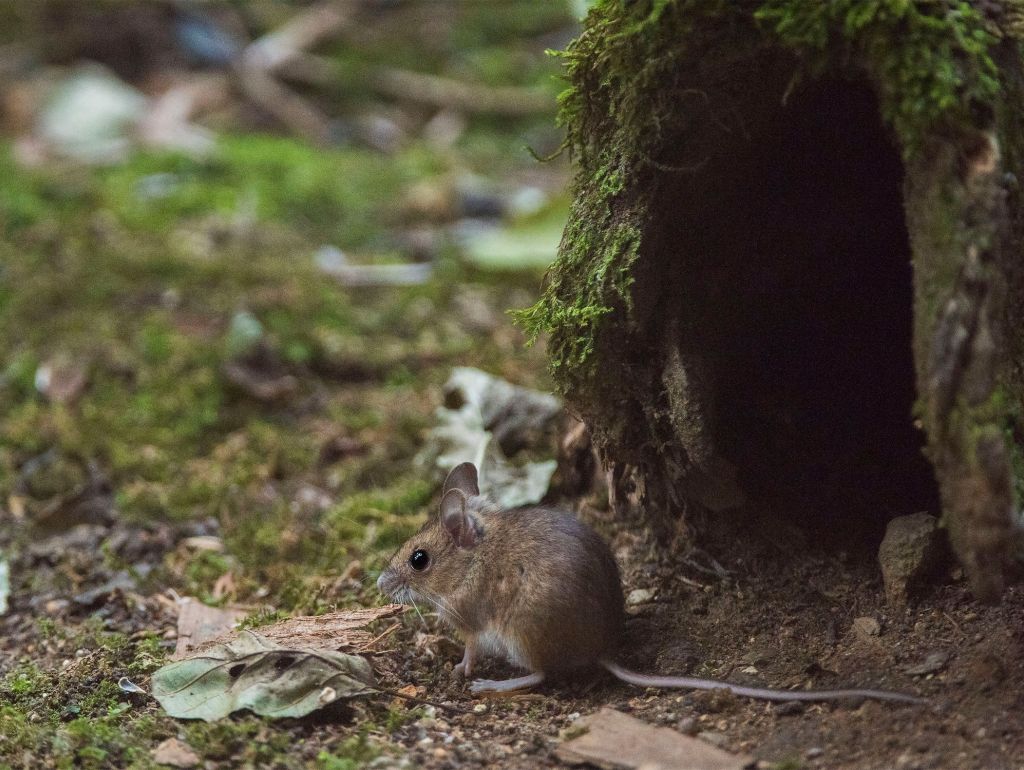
<point>785,616</point>
<point>760,606</point>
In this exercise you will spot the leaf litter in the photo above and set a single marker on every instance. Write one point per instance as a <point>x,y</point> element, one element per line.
<point>251,672</point>
<point>288,669</point>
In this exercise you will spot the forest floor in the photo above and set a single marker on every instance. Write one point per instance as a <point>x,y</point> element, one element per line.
<point>191,407</point>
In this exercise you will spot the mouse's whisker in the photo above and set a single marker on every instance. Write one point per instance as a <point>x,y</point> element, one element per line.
<point>445,607</point>
<point>416,607</point>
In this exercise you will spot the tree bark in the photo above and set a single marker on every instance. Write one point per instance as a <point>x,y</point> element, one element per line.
<point>793,275</point>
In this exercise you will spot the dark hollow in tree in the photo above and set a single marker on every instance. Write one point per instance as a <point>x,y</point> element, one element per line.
<point>793,275</point>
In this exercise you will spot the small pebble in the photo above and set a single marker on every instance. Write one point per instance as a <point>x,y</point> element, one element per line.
<point>789,709</point>
<point>866,626</point>
<point>687,726</point>
<point>480,708</point>
<point>639,596</point>
<point>814,752</point>
<point>714,738</point>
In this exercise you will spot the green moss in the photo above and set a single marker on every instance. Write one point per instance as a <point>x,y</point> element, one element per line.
<point>930,63</point>
<point>320,192</point>
<point>78,717</point>
<point>352,754</point>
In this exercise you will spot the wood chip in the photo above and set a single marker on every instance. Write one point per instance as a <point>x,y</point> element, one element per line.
<point>333,631</point>
<point>617,740</point>
<point>344,630</point>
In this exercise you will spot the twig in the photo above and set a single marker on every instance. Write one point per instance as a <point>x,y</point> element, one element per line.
<point>285,105</point>
<point>256,66</point>
<point>300,32</point>
<point>438,91</point>
<point>387,631</point>
<point>421,701</point>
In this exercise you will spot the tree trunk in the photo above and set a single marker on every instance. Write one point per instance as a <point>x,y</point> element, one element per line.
<point>793,275</point>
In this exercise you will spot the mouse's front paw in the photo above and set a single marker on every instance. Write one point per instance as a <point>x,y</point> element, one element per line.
<point>461,670</point>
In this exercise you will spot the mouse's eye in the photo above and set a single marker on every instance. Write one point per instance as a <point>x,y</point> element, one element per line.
<point>419,560</point>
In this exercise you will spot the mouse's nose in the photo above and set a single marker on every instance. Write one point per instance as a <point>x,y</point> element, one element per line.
<point>383,582</point>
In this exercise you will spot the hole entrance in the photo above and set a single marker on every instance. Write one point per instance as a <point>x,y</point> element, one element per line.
<point>803,261</point>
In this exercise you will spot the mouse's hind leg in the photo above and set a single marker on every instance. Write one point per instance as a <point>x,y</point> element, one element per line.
<point>484,686</point>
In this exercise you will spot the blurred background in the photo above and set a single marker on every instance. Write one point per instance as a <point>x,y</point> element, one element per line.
<point>243,246</point>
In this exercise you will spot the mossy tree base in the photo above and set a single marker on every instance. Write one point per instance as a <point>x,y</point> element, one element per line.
<point>796,229</point>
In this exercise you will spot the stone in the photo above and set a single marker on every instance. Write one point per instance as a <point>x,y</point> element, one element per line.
<point>912,549</point>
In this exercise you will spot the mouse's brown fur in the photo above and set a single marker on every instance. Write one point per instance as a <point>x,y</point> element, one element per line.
<point>533,584</point>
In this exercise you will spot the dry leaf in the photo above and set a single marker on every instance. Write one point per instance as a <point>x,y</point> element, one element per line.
<point>617,740</point>
<point>199,624</point>
<point>334,631</point>
<point>175,753</point>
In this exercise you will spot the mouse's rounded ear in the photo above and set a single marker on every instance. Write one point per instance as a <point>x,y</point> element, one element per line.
<point>462,477</point>
<point>457,521</point>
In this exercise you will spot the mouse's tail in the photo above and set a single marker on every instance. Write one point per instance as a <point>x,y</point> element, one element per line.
<point>759,693</point>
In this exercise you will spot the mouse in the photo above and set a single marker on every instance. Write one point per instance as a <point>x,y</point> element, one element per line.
<point>537,587</point>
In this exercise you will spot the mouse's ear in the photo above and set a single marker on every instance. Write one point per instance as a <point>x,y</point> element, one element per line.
<point>464,478</point>
<point>457,521</point>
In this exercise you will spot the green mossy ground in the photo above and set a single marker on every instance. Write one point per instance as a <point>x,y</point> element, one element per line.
<point>142,292</point>
<point>138,273</point>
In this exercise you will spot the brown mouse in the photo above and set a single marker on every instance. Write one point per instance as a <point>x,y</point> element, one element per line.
<point>535,586</point>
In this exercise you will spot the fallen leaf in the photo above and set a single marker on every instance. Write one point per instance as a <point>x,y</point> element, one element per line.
<point>409,691</point>
<point>175,753</point>
<point>252,672</point>
<point>486,420</point>
<point>16,506</point>
<point>199,624</point>
<point>617,740</point>
<point>333,631</point>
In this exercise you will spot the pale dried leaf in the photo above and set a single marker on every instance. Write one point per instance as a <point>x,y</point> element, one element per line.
<point>175,753</point>
<point>199,624</point>
<point>334,631</point>
<point>617,740</point>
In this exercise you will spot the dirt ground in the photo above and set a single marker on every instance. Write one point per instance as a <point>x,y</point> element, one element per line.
<point>781,618</point>
<point>764,609</point>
